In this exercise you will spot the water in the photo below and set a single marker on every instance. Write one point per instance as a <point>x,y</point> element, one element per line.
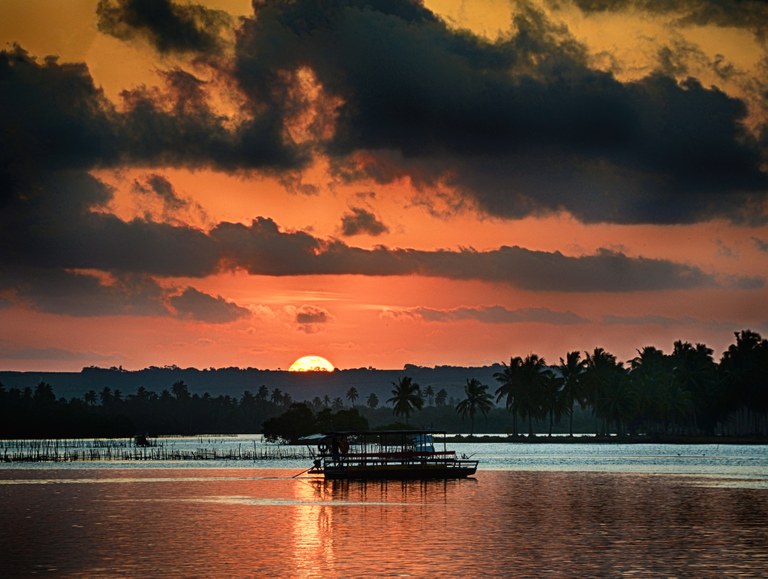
<point>532,510</point>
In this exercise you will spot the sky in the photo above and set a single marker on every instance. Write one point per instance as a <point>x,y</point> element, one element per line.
<point>378,182</point>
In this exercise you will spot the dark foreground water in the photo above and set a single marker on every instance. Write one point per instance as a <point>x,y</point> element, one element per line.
<point>236,522</point>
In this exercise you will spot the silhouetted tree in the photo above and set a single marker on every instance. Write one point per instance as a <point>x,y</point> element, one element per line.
<point>180,391</point>
<point>571,371</point>
<point>352,396</point>
<point>296,422</point>
<point>696,371</point>
<point>406,397</point>
<point>510,387</point>
<point>477,398</point>
<point>373,401</point>
<point>429,393</point>
<point>744,367</point>
<point>608,389</point>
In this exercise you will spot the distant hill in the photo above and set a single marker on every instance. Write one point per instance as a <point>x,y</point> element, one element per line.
<point>234,381</point>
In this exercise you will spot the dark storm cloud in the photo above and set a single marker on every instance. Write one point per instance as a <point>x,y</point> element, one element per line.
<point>85,294</point>
<point>53,118</point>
<point>54,224</point>
<point>176,127</point>
<point>169,26</point>
<point>49,223</point>
<point>262,249</point>
<point>196,305</point>
<point>490,315</point>
<point>361,221</point>
<point>70,293</point>
<point>522,125</point>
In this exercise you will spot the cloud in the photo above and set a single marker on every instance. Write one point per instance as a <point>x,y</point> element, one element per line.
<point>163,189</point>
<point>196,305</point>
<point>80,129</point>
<point>262,249</point>
<point>361,221</point>
<point>169,26</point>
<point>760,244</point>
<point>311,318</point>
<point>522,126</point>
<point>518,127</point>
<point>311,315</point>
<point>83,294</point>
<point>55,228</point>
<point>489,315</point>
<point>14,352</point>
<point>748,14</point>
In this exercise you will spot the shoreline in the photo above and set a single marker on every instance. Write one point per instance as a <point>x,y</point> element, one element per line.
<point>611,439</point>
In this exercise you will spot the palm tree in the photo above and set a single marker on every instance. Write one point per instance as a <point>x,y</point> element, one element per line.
<point>406,397</point>
<point>509,378</point>
<point>429,392</point>
<point>608,389</point>
<point>659,398</point>
<point>180,390</point>
<point>352,396</point>
<point>554,403</point>
<point>523,383</point>
<point>597,364</point>
<point>477,399</point>
<point>534,379</point>
<point>743,367</point>
<point>90,398</point>
<point>373,401</point>
<point>571,371</point>
<point>696,372</point>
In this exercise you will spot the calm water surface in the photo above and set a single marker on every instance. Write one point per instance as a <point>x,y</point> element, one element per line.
<point>652,512</point>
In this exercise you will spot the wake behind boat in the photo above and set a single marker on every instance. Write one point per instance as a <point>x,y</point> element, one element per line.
<point>386,454</point>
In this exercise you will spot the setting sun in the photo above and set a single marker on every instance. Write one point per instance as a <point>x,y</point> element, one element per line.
<point>311,364</point>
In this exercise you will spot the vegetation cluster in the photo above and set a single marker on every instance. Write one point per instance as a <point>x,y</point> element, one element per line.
<point>684,393</point>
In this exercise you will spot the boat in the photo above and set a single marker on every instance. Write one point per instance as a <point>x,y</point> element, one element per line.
<point>386,454</point>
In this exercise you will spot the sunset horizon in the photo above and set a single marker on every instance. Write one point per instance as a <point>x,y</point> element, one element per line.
<point>232,184</point>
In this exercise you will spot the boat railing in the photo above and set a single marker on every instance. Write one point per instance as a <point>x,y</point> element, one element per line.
<point>442,458</point>
<point>403,454</point>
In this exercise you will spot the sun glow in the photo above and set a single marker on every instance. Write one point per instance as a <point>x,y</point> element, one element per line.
<point>311,364</point>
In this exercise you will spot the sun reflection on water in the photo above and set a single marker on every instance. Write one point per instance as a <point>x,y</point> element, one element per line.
<point>312,529</point>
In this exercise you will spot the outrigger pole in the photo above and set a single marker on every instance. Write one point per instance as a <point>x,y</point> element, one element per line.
<point>302,472</point>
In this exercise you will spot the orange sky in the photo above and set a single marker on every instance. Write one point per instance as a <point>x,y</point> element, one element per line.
<point>580,194</point>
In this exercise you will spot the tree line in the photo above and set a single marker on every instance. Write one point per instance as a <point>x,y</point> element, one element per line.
<point>37,413</point>
<point>685,392</point>
<point>682,393</point>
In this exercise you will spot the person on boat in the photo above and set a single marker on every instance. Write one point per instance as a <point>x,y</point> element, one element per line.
<point>335,448</point>
<point>344,445</point>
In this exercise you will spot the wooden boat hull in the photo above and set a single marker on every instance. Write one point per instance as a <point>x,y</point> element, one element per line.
<point>399,472</point>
